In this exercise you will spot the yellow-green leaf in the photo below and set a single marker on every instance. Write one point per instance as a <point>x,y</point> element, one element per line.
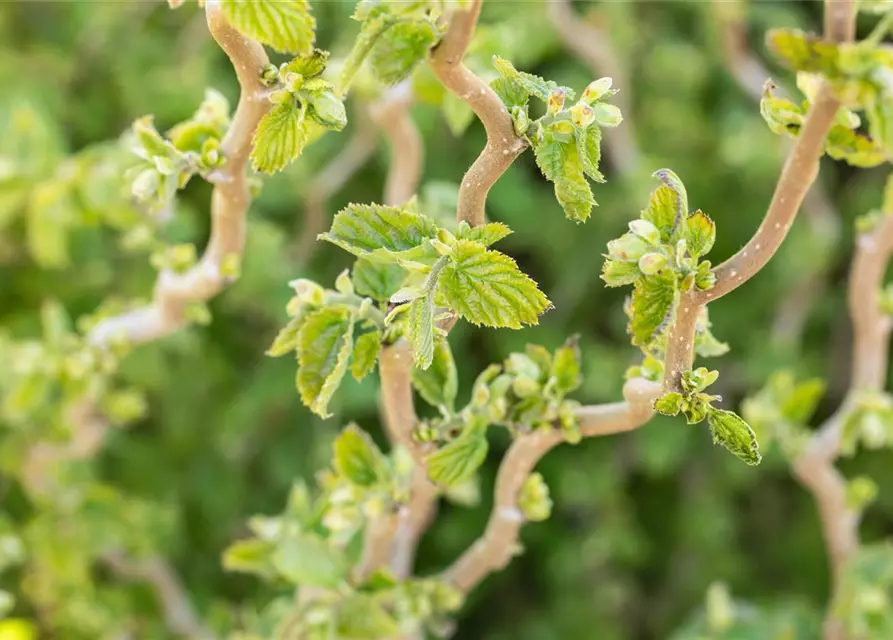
<point>365,354</point>
<point>420,329</point>
<point>458,460</point>
<point>325,342</point>
<point>729,430</point>
<point>285,25</point>
<point>377,231</point>
<point>486,288</point>
<point>700,233</point>
<point>438,384</point>
<point>280,137</point>
<point>357,458</point>
<point>652,301</point>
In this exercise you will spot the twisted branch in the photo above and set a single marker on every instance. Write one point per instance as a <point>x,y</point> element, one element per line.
<point>229,204</point>
<point>823,218</point>
<point>799,172</point>
<point>499,542</point>
<point>503,146</point>
<point>591,44</point>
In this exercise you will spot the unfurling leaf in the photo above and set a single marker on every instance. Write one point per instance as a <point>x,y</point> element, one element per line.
<point>458,460</point>
<point>286,340</point>
<point>589,149</point>
<point>486,288</point>
<point>669,404</point>
<point>365,354</point>
<point>377,280</point>
<point>280,137</point>
<point>304,558</point>
<point>377,232</point>
<point>800,51</point>
<point>520,83</point>
<point>285,25</point>
<point>853,147</point>
<point>652,301</point>
<point>729,430</point>
<point>357,458</point>
<point>616,273</point>
<point>400,48</point>
<point>534,500</point>
<point>560,164</point>
<point>438,384</point>
<point>700,233</point>
<point>325,342</point>
<point>420,329</point>
<point>662,211</point>
<point>485,234</point>
<point>566,367</point>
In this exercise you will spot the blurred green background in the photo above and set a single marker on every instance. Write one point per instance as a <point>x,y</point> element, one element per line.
<point>643,522</point>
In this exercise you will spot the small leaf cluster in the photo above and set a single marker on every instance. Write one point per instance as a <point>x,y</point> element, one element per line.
<point>869,422</point>
<point>566,140</point>
<point>782,409</point>
<point>727,428</point>
<point>330,330</point>
<point>862,601</point>
<point>311,545</point>
<point>661,256</point>
<point>859,74</point>
<point>394,37</point>
<point>443,270</point>
<point>191,147</point>
<point>528,391</point>
<point>304,105</point>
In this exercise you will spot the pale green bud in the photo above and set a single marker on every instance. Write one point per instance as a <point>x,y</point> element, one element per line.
<point>645,230</point>
<point>596,89</point>
<point>627,248</point>
<point>582,115</point>
<point>525,387</point>
<point>534,500</point>
<point>308,291</point>
<point>269,76</point>
<point>651,263</point>
<point>343,283</point>
<point>607,115</point>
<point>146,185</point>
<point>520,120</point>
<point>328,110</point>
<point>181,257</point>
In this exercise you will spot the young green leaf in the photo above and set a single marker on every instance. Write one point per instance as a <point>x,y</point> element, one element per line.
<point>305,559</point>
<point>799,51</point>
<point>458,460</point>
<point>485,234</point>
<point>560,164</point>
<point>280,137</point>
<point>286,340</point>
<point>325,342</point>
<point>357,458</point>
<point>734,434</point>
<point>519,82</point>
<point>486,288</point>
<point>285,25</point>
<point>420,329</point>
<point>250,556</point>
<point>566,367</point>
<point>616,273</point>
<point>377,280</point>
<point>377,232</point>
<point>589,149</point>
<point>661,211</point>
<point>400,48</point>
<point>652,301</point>
<point>669,404</point>
<point>365,354</point>
<point>700,233</point>
<point>438,384</point>
<point>361,617</point>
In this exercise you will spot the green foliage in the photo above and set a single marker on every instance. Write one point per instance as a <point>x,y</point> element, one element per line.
<point>733,433</point>
<point>285,25</point>
<point>862,603</point>
<point>303,105</point>
<point>869,422</point>
<point>438,384</point>
<point>781,410</point>
<point>566,140</point>
<point>459,459</point>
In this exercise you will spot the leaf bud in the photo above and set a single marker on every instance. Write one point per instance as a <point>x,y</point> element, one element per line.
<point>651,263</point>
<point>269,75</point>
<point>520,120</point>
<point>308,291</point>
<point>328,110</point>
<point>646,231</point>
<point>343,283</point>
<point>525,387</point>
<point>534,500</point>
<point>607,115</point>
<point>555,102</point>
<point>627,248</point>
<point>582,115</point>
<point>596,89</point>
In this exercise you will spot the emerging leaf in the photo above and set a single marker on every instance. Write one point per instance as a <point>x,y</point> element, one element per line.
<point>460,459</point>
<point>360,616</point>
<point>306,559</point>
<point>560,164</point>
<point>377,280</point>
<point>401,48</point>
<point>534,500</point>
<point>357,458</point>
<point>286,340</point>
<point>669,404</point>
<point>589,150</point>
<point>485,234</point>
<point>285,25</point>
<point>378,232</point>
<point>325,342</point>
<point>566,367</point>
<point>519,82</point>
<point>365,354</point>
<point>486,288</point>
<point>700,233</point>
<point>652,301</point>
<point>280,137</point>
<point>729,430</point>
<point>420,329</point>
<point>799,51</point>
<point>438,384</point>
<point>617,274</point>
<point>662,211</point>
